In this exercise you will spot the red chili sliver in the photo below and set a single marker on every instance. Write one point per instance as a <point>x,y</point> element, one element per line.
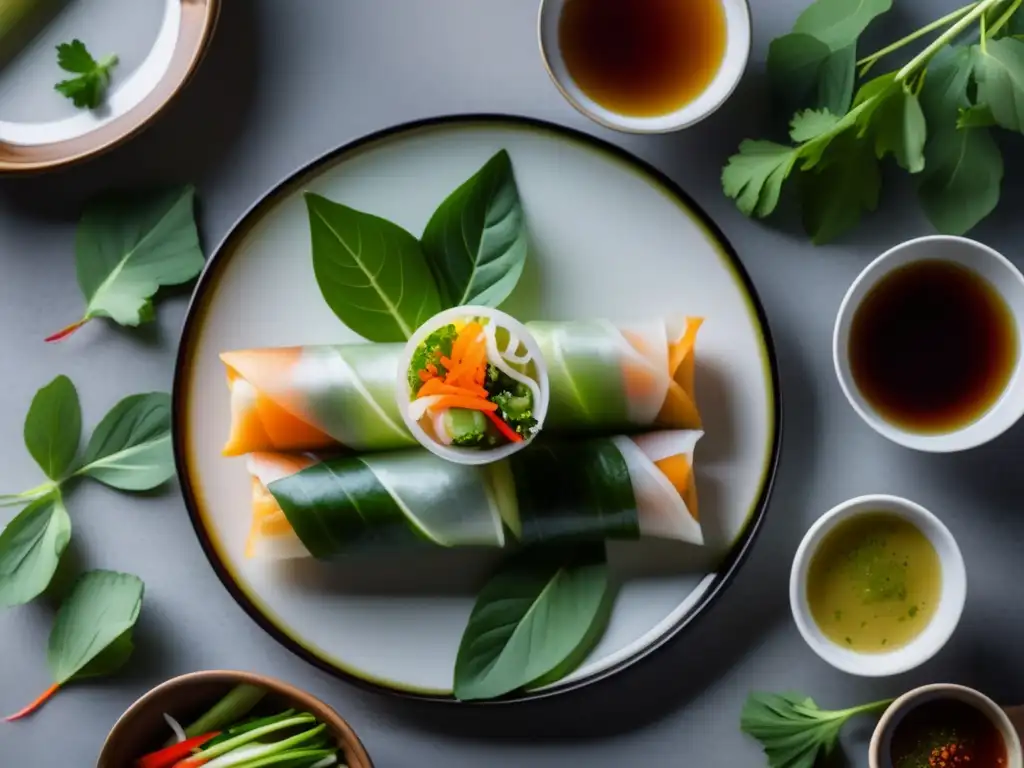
<point>169,756</point>
<point>505,429</point>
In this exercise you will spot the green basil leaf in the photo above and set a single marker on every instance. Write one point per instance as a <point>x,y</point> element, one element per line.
<point>372,273</point>
<point>92,632</point>
<point>475,242</point>
<point>838,23</point>
<point>30,549</point>
<point>129,245</point>
<point>999,72</point>
<point>844,183</point>
<point>961,182</point>
<point>533,614</point>
<point>900,129</point>
<point>131,447</point>
<point>806,74</point>
<point>53,427</point>
<point>946,84</point>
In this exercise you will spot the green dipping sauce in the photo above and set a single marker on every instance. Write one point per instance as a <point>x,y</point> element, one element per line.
<point>874,583</point>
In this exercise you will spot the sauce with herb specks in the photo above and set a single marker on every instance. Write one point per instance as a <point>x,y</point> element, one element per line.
<point>874,583</point>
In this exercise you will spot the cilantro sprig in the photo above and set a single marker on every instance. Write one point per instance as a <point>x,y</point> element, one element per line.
<point>793,730</point>
<point>93,77</point>
<point>932,116</point>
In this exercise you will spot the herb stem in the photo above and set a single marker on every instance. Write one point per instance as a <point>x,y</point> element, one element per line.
<point>63,333</point>
<point>1002,20</point>
<point>942,40</point>
<point>34,705</point>
<point>32,494</point>
<point>868,61</point>
<point>864,709</point>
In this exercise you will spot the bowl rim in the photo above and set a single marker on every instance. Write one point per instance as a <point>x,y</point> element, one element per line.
<point>198,22</point>
<point>926,644</point>
<point>322,710</point>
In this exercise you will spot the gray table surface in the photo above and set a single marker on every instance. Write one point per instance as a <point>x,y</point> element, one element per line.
<point>287,81</point>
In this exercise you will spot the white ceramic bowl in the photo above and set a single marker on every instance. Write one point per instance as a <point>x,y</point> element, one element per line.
<point>947,615</point>
<point>734,62</point>
<point>1004,278</point>
<point>881,739</point>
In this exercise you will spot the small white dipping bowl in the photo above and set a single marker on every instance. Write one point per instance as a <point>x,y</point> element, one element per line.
<point>951,597</point>
<point>403,393</point>
<point>734,62</point>
<point>987,264</point>
<point>879,753</point>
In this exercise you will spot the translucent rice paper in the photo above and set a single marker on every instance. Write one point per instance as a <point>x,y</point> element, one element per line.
<point>454,505</point>
<point>603,378</point>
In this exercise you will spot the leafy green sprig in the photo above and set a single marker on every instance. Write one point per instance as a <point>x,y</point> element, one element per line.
<point>128,246</point>
<point>793,730</point>
<point>129,450</point>
<point>932,116</point>
<point>89,86</point>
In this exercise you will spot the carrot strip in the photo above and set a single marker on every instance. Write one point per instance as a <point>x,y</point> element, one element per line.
<point>505,429</point>
<point>461,401</point>
<point>468,336</point>
<point>437,387</point>
<point>34,705</point>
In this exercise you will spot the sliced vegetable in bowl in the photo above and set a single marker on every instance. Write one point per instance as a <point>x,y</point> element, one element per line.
<point>473,385</point>
<point>233,720</point>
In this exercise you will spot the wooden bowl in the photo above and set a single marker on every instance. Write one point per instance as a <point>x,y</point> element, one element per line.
<point>142,728</point>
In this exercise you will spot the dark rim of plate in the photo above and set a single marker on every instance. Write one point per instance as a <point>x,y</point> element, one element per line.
<point>732,562</point>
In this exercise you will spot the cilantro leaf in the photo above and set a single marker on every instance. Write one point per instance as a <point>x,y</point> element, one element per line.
<point>791,728</point>
<point>754,176</point>
<point>811,123</point>
<point>86,90</point>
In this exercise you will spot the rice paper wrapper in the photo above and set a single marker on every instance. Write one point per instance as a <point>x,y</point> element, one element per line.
<point>602,378</point>
<point>577,490</point>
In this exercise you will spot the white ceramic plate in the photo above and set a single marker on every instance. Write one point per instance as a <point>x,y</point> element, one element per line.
<point>612,238</point>
<point>158,43</point>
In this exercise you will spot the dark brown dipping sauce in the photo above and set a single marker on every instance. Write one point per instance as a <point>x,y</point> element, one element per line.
<point>946,733</point>
<point>932,346</point>
<point>642,57</point>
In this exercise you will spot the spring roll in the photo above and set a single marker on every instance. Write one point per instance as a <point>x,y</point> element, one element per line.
<point>574,490</point>
<point>602,378</point>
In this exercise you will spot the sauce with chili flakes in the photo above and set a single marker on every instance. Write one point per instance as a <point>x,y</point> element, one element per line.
<point>946,733</point>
